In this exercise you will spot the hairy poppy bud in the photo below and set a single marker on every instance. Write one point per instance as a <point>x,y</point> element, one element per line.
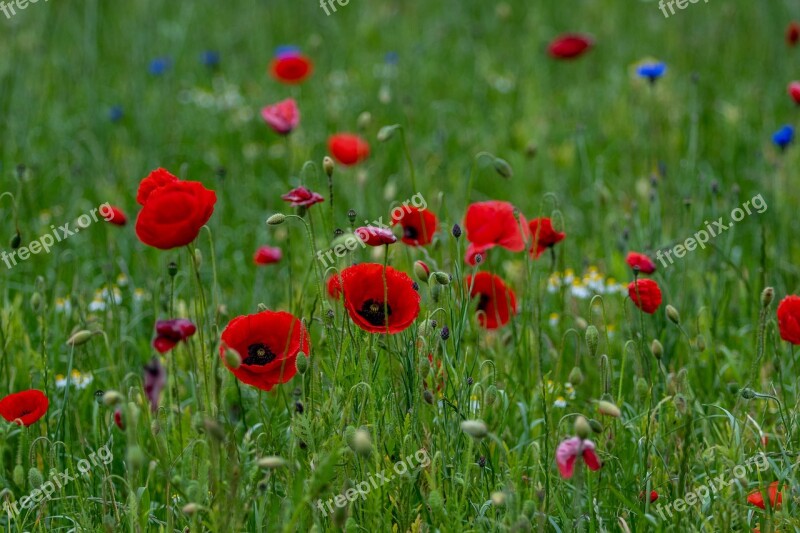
<point>349,435</point>
<point>361,442</point>
<point>232,358</point>
<point>364,120</point>
<point>596,426</point>
<point>387,132</point>
<point>766,296</point>
<point>657,349</point>
<point>592,339</point>
<point>747,393</point>
<point>328,166</point>
<point>575,376</point>
<point>422,271</point>
<point>190,508</point>
<point>474,428</point>
<point>271,462</point>
<point>301,363</point>
<point>436,503</point>
<point>111,398</point>
<point>608,409</point>
<point>582,427</point>
<point>35,478</point>
<point>135,457</point>
<point>673,315</point>
<point>502,167</point>
<point>441,278</point>
<point>80,337</point>
<point>491,395</point>
<point>19,476</point>
<point>427,396</point>
<point>198,257</point>
<point>700,343</point>
<point>424,366</point>
<point>36,302</point>
<point>276,219</point>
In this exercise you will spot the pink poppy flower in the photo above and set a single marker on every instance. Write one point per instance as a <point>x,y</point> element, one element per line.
<point>282,117</point>
<point>569,450</point>
<point>373,236</point>
<point>302,197</point>
<point>266,255</point>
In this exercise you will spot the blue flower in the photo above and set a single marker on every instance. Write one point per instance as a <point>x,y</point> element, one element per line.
<point>391,58</point>
<point>286,50</point>
<point>115,113</point>
<point>160,65</point>
<point>783,137</point>
<point>652,71</point>
<point>210,58</point>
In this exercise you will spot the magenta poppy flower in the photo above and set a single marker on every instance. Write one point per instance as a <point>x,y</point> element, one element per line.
<point>569,450</point>
<point>372,236</point>
<point>266,255</point>
<point>570,46</point>
<point>302,197</point>
<point>282,117</point>
<point>171,332</point>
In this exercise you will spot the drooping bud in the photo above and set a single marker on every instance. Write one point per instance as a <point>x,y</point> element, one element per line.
<point>422,271</point>
<point>362,443</point>
<point>491,395</point>
<point>575,376</point>
<point>747,393</point>
<point>135,457</point>
<point>111,398</point>
<point>350,435</point>
<point>35,478</point>
<point>271,462</point>
<point>657,349</point>
<point>328,165</point>
<point>592,339</point>
<point>387,132</point>
<point>364,120</point>
<point>673,315</point>
<point>198,258</point>
<point>19,476</point>
<point>427,395</point>
<point>700,343</point>
<point>276,219</point>
<point>301,363</point>
<point>766,296</point>
<point>36,302</point>
<point>80,337</point>
<point>424,366</point>
<point>474,428</point>
<point>190,508</point>
<point>642,388</point>
<point>441,278</point>
<point>608,409</point>
<point>596,426</point>
<point>582,427</point>
<point>502,167</point>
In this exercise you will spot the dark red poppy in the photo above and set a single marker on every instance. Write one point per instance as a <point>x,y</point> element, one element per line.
<point>775,496</point>
<point>171,332</point>
<point>266,255</point>
<point>793,33</point>
<point>789,319</point>
<point>496,304</point>
<point>649,295</point>
<point>118,419</point>
<point>26,407</point>
<point>113,215</point>
<point>491,224</point>
<point>376,304</point>
<point>419,225</point>
<point>335,286</point>
<point>155,379</point>
<point>794,91</point>
<point>173,211</point>
<point>543,236</point>
<point>291,68</point>
<point>268,343</point>
<point>373,236</point>
<point>302,197</point>
<point>640,261</point>
<point>570,46</point>
<point>348,149</point>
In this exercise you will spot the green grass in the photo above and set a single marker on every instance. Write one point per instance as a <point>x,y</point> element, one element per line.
<point>625,166</point>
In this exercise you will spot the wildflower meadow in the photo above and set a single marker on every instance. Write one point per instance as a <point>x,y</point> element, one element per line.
<point>401,266</point>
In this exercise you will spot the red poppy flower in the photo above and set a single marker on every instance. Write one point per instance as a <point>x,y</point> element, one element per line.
<point>497,303</point>
<point>173,211</point>
<point>643,262</point>
<point>789,319</point>
<point>113,215</point>
<point>648,292</point>
<point>775,496</point>
<point>793,33</point>
<point>171,332</point>
<point>372,236</point>
<point>292,68</point>
<point>348,149</point>
<point>282,117</point>
<point>543,236</point>
<point>377,307</point>
<point>794,91</point>
<point>268,343</point>
<point>335,286</point>
<point>118,419</point>
<point>653,496</point>
<point>570,449</point>
<point>569,46</point>
<point>26,407</point>
<point>493,223</point>
<point>302,197</point>
<point>266,255</point>
<point>419,225</point>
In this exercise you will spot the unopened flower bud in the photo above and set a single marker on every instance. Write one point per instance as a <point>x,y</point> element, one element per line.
<point>491,395</point>
<point>350,435</point>
<point>135,457</point>
<point>16,241</point>
<point>172,269</point>
<point>582,427</point>
<point>19,476</point>
<point>747,393</point>
<point>592,339</point>
<point>502,167</point>
<point>474,428</point>
<point>190,508</point>
<point>441,278</point>
<point>111,398</point>
<point>35,478</point>
<point>387,132</point>
<point>351,215</point>
<point>276,219</point>
<point>364,120</point>
<point>596,426</point>
<point>700,343</point>
<point>198,257</point>
<point>361,442</point>
<point>422,271</point>
<point>657,349</point>
<point>80,337</point>
<point>608,409</point>
<point>232,358</point>
<point>575,376</point>
<point>328,166</point>
<point>271,462</point>
<point>36,302</point>
<point>301,363</point>
<point>427,395</point>
<point>766,296</point>
<point>673,315</point>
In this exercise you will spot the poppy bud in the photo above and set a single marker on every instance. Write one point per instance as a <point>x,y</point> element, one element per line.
<point>422,271</point>
<point>592,339</point>
<point>582,427</point>
<point>441,278</point>
<point>271,462</point>
<point>502,167</point>
<point>498,498</point>
<point>16,241</point>
<point>198,258</point>
<point>766,296</point>
<point>19,476</point>
<point>673,315</point>
<point>436,503</point>
<point>35,478</point>
<point>349,435</point>
<point>232,358</point>
<point>135,457</point>
<point>657,349</point>
<point>301,363</point>
<point>608,409</point>
<point>700,343</point>
<point>491,395</point>
<point>427,396</point>
<point>474,428</point>
<point>36,302</point>
<point>80,337</point>
<point>424,366</point>
<point>747,393</point>
<point>456,231</point>
<point>436,292</point>
<point>680,403</point>
<point>190,508</point>
<point>364,120</point>
<point>351,215</point>
<point>261,307</point>
<point>575,376</point>
<point>361,442</point>
<point>387,132</point>
<point>172,269</point>
<point>155,426</point>
<point>596,426</point>
<point>111,398</point>
<point>328,166</point>
<point>276,220</point>
<point>427,327</point>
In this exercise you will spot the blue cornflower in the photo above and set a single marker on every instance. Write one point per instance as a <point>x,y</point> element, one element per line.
<point>159,65</point>
<point>783,137</point>
<point>652,71</point>
<point>285,50</point>
<point>210,58</point>
<point>115,113</point>
<point>391,58</point>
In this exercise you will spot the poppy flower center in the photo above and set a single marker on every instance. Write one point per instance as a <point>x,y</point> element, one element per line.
<point>483,302</point>
<point>258,354</point>
<point>409,232</point>
<point>373,312</point>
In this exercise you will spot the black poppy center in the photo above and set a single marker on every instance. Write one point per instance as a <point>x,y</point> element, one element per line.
<point>483,302</point>
<point>410,232</point>
<point>373,312</point>
<point>258,354</point>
